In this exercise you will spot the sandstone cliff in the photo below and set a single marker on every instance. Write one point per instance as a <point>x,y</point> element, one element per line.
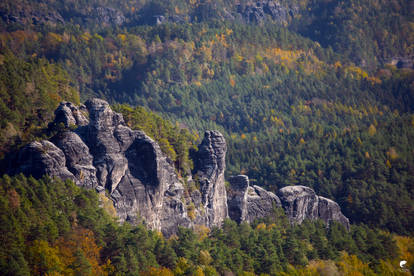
<point>210,165</point>
<point>301,202</point>
<point>96,150</point>
<point>247,203</point>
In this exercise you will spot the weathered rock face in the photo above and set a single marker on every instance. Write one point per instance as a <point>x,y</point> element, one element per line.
<point>102,153</point>
<point>40,158</point>
<point>109,16</point>
<point>299,202</point>
<point>70,115</point>
<point>130,165</point>
<point>210,164</point>
<point>260,203</point>
<point>329,210</point>
<point>247,203</point>
<point>78,159</point>
<point>237,197</point>
<point>260,11</point>
<point>30,16</point>
<point>302,203</point>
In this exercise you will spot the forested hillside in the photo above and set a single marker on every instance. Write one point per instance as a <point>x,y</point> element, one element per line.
<point>314,93</point>
<point>50,227</point>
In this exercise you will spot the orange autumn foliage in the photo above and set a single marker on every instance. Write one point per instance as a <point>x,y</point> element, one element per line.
<point>83,240</point>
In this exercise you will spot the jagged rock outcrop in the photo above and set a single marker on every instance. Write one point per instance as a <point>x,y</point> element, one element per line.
<point>26,16</point>
<point>247,203</point>
<point>40,158</point>
<point>329,210</point>
<point>260,11</point>
<point>109,16</point>
<point>302,203</point>
<point>237,197</point>
<point>260,203</point>
<point>102,153</point>
<point>70,115</point>
<point>78,159</point>
<point>130,165</point>
<point>299,202</point>
<point>210,165</point>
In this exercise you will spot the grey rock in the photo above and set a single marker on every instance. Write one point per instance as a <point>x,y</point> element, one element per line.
<point>109,16</point>
<point>32,16</point>
<point>104,154</point>
<point>140,178</point>
<point>149,187</point>
<point>247,203</point>
<point>260,203</point>
<point>299,202</point>
<point>237,198</point>
<point>402,62</point>
<point>78,159</point>
<point>196,198</point>
<point>329,210</point>
<point>159,19</point>
<point>40,158</point>
<point>262,10</point>
<point>100,189</point>
<point>302,203</point>
<point>210,166</point>
<point>70,115</point>
<point>109,159</point>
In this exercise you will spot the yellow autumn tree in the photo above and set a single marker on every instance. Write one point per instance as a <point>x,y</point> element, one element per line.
<point>351,265</point>
<point>44,258</point>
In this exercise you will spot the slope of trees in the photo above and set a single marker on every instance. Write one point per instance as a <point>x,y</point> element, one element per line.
<point>50,227</point>
<point>30,90</point>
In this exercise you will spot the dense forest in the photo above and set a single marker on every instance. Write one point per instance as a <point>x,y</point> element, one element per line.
<point>50,227</point>
<point>314,93</point>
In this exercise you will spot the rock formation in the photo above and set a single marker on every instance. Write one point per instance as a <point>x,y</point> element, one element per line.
<point>247,203</point>
<point>261,10</point>
<point>329,210</point>
<point>210,165</point>
<point>78,159</point>
<point>237,197</point>
<point>70,115</point>
<point>260,203</point>
<point>300,203</point>
<point>40,158</point>
<point>102,153</point>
